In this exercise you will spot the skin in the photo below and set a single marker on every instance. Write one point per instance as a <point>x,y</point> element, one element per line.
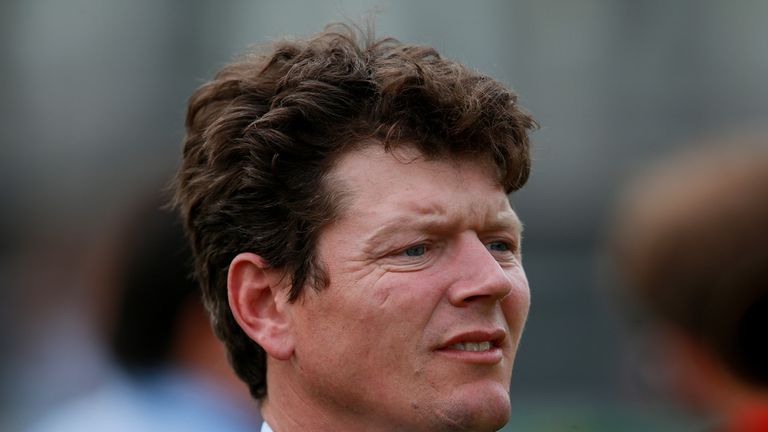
<point>425,254</point>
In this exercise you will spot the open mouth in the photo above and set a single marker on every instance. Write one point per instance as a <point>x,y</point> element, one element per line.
<point>480,346</point>
<point>472,346</point>
<point>482,351</point>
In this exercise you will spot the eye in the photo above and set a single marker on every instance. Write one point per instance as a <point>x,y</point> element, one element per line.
<point>498,246</point>
<point>414,251</point>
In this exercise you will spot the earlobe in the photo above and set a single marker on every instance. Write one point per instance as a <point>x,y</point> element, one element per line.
<point>257,303</point>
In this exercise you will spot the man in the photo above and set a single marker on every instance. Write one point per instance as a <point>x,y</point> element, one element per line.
<point>693,245</point>
<point>168,371</point>
<point>347,205</point>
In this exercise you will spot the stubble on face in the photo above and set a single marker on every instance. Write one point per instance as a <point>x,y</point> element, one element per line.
<point>367,341</point>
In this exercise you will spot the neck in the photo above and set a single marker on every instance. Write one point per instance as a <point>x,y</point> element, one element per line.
<point>290,407</point>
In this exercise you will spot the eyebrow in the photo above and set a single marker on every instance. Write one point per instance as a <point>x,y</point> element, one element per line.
<point>428,220</point>
<point>509,221</point>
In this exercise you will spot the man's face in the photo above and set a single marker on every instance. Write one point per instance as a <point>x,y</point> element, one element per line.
<point>427,297</point>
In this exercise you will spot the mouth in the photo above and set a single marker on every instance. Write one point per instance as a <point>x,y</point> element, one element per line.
<point>480,347</point>
<point>472,346</point>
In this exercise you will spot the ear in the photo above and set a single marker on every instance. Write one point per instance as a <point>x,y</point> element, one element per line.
<point>258,304</point>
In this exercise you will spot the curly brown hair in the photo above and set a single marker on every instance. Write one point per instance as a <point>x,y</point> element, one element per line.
<point>263,135</point>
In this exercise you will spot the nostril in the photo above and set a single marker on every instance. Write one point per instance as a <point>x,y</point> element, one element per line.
<point>472,298</point>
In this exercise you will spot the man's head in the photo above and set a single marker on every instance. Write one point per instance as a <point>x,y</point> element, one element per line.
<point>346,202</point>
<point>692,243</point>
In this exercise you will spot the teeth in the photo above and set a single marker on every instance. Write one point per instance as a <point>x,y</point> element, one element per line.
<point>472,346</point>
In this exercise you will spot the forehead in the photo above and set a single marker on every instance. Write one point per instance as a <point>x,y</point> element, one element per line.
<point>372,161</point>
<point>403,184</point>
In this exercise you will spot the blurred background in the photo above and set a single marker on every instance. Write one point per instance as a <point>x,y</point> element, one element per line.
<point>93,98</point>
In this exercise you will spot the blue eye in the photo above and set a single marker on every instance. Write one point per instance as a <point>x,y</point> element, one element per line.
<point>498,246</point>
<point>415,251</point>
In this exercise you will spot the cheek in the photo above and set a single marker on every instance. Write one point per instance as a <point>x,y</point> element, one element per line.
<point>517,303</point>
<point>328,333</point>
<point>411,294</point>
<point>401,306</point>
<point>351,315</point>
<point>365,312</point>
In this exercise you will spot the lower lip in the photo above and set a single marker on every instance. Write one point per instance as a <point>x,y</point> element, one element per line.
<point>490,357</point>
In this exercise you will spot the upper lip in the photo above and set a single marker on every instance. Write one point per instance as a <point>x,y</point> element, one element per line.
<point>495,336</point>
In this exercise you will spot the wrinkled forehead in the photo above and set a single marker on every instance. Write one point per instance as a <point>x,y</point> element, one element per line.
<point>409,153</point>
<point>403,180</point>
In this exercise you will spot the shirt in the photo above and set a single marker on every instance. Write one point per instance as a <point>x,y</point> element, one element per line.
<point>165,400</point>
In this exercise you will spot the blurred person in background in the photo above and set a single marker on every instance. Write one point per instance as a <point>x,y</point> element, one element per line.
<point>692,245</point>
<point>170,372</point>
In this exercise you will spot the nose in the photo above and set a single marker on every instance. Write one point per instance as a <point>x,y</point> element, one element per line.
<point>480,277</point>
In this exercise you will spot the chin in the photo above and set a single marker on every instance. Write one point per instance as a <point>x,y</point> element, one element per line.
<point>476,408</point>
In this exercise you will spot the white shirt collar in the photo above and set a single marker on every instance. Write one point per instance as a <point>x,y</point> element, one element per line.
<point>265,427</point>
